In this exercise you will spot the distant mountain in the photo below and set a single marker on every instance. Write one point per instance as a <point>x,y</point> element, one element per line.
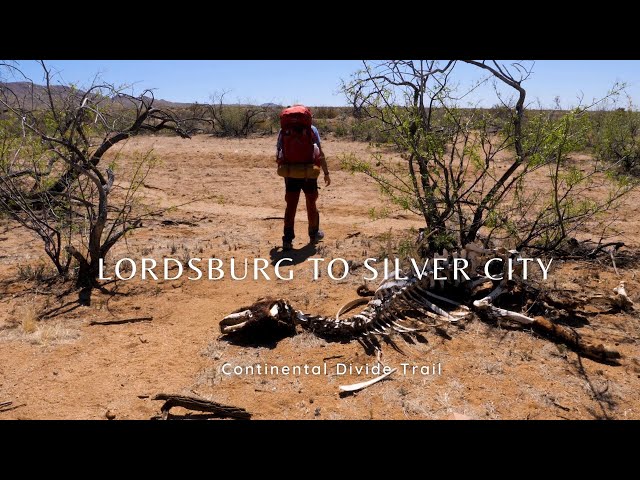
<point>26,90</point>
<point>23,90</point>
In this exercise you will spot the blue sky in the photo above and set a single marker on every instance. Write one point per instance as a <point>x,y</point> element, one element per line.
<point>317,82</point>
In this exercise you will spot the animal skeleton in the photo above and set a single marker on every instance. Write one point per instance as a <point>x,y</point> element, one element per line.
<point>408,306</point>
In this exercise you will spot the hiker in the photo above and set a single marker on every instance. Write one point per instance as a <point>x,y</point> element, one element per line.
<point>299,156</point>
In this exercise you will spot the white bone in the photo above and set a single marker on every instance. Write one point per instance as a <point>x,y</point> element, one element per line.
<point>242,314</point>
<point>621,299</point>
<point>233,328</point>
<point>349,305</point>
<point>462,312</point>
<point>403,329</point>
<point>484,302</point>
<point>620,290</point>
<point>382,326</point>
<point>501,312</point>
<point>359,386</point>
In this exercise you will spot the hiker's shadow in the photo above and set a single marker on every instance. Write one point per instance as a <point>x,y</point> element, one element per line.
<point>296,255</point>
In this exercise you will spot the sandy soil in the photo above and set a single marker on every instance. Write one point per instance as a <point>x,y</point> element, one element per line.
<point>55,364</point>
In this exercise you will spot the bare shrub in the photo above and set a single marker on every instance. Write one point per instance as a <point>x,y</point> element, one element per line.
<point>464,168</point>
<point>53,181</point>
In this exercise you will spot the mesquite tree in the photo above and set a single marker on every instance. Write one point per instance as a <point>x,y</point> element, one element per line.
<point>464,168</point>
<point>53,181</point>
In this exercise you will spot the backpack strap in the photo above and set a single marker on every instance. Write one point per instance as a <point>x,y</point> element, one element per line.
<point>279,146</point>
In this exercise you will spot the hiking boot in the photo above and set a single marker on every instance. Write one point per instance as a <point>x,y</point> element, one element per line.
<point>286,245</point>
<point>319,235</point>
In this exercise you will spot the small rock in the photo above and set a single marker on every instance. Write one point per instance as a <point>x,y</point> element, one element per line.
<point>110,415</point>
<point>55,372</point>
<point>459,416</point>
<point>317,412</point>
<point>311,400</point>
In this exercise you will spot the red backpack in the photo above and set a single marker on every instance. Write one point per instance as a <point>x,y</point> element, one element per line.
<point>296,136</point>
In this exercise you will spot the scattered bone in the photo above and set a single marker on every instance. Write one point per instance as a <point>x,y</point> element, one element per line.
<point>458,416</point>
<point>497,312</point>
<point>359,386</point>
<point>486,305</point>
<point>621,299</point>
<point>486,301</point>
<point>234,322</point>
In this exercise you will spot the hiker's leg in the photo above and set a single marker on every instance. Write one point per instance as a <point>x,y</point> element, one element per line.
<point>313,216</point>
<point>292,195</point>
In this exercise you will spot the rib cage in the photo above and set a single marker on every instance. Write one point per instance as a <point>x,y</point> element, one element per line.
<point>398,300</point>
<point>395,301</point>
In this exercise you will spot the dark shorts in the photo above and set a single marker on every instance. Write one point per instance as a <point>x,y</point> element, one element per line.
<point>307,185</point>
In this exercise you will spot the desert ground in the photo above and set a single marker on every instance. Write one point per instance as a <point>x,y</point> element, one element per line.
<point>56,364</point>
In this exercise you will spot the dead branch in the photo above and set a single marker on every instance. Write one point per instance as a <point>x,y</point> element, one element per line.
<point>7,406</point>
<point>605,247</point>
<point>613,261</point>
<point>167,223</point>
<point>201,405</point>
<point>120,322</point>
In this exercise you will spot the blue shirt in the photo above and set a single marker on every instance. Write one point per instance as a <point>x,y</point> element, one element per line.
<point>315,130</point>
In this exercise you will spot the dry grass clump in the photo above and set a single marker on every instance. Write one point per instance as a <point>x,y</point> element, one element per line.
<point>28,326</point>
